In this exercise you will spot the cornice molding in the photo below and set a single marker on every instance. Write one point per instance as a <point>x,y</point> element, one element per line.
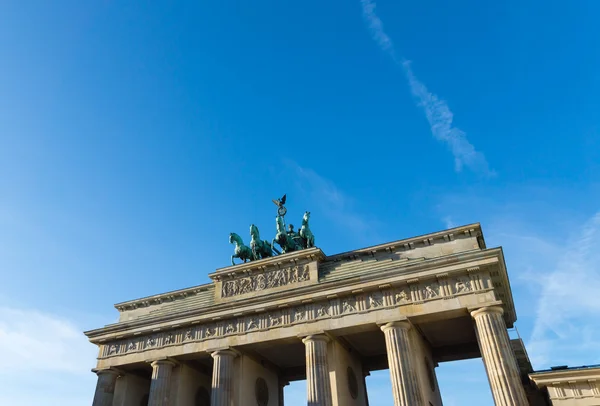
<point>162,297</point>
<point>564,375</point>
<point>469,230</point>
<point>372,304</point>
<point>454,263</point>
<point>311,254</point>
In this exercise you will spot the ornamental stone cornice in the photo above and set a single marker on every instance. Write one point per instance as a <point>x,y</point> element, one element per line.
<point>162,298</point>
<point>422,273</point>
<point>349,309</point>
<point>470,230</point>
<point>303,256</point>
<point>544,378</point>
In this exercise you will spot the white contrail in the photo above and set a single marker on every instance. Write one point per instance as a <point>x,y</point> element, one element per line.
<point>437,111</point>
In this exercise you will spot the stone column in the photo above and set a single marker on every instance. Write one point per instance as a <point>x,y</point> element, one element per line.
<point>105,388</point>
<point>282,385</point>
<point>318,384</point>
<point>365,374</point>
<point>222,378</point>
<point>160,386</point>
<point>405,385</point>
<point>498,357</point>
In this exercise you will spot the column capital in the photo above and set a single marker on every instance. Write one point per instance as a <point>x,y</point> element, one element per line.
<point>487,310</point>
<point>320,336</point>
<point>163,361</point>
<point>107,371</point>
<point>225,351</point>
<point>403,324</point>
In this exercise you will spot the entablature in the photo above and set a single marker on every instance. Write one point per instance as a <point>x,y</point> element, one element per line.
<point>419,281</point>
<point>298,269</point>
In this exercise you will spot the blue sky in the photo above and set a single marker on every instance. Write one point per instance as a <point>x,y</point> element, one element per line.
<point>134,138</point>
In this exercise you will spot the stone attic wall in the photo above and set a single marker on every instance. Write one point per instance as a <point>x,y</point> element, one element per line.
<point>247,371</point>
<point>339,359</point>
<point>333,268</point>
<point>130,390</point>
<point>198,297</point>
<point>339,267</point>
<point>426,379</point>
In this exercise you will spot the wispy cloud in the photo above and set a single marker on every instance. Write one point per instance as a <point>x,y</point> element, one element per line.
<point>438,113</point>
<point>554,272</point>
<point>376,27</point>
<point>333,202</point>
<point>33,344</point>
<point>449,222</point>
<point>566,328</point>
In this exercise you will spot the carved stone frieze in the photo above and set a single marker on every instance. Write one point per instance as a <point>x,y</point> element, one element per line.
<point>431,291</point>
<point>301,313</point>
<point>462,285</point>
<point>323,310</point>
<point>401,296</point>
<point>375,300</point>
<point>270,279</point>
<point>252,324</point>
<point>348,305</point>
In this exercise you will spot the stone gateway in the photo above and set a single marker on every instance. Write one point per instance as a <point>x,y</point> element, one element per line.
<point>404,306</point>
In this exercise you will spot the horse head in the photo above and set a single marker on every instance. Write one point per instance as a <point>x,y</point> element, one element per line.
<point>254,231</point>
<point>234,238</point>
<point>306,217</point>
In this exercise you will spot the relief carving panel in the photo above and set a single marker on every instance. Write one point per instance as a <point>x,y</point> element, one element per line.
<point>267,280</point>
<point>300,313</point>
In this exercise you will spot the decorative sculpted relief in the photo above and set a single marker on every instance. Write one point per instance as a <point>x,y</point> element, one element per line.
<point>431,291</point>
<point>267,280</point>
<point>349,305</point>
<point>375,300</point>
<point>274,320</point>
<point>252,323</point>
<point>463,285</point>
<point>402,297</point>
<point>261,391</point>
<point>323,310</point>
<point>301,313</point>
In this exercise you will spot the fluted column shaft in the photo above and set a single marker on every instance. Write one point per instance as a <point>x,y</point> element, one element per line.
<point>282,385</point>
<point>405,385</point>
<point>105,388</point>
<point>222,378</point>
<point>160,386</point>
<point>365,374</point>
<point>498,357</point>
<point>318,384</point>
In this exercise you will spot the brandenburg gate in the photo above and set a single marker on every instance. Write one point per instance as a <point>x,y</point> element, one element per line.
<point>405,306</point>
